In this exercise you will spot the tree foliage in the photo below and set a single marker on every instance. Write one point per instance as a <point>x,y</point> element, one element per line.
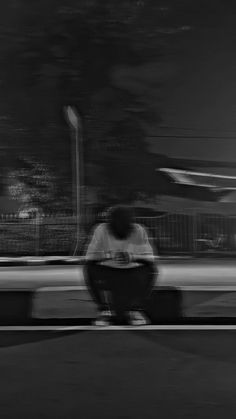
<point>33,185</point>
<point>103,57</point>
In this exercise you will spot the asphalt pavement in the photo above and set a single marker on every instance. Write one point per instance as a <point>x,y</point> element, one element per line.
<point>122,374</point>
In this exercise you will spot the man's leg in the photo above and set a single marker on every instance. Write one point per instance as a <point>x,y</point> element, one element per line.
<point>146,279</point>
<point>129,289</point>
<point>96,281</point>
<point>113,282</point>
<point>142,280</point>
<point>120,293</point>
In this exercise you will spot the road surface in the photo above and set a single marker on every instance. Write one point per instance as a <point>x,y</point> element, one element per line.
<point>121,374</point>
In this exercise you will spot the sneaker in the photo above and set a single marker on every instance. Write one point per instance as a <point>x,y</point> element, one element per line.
<point>103,319</point>
<point>137,318</point>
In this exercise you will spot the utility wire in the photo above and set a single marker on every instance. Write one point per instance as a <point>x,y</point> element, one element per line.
<point>196,129</point>
<point>192,137</point>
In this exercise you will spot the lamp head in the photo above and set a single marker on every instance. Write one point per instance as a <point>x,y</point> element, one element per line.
<point>72,117</point>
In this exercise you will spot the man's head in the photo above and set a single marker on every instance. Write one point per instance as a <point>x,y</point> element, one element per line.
<point>120,221</point>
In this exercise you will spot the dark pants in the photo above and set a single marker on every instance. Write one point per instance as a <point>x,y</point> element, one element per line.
<point>127,289</point>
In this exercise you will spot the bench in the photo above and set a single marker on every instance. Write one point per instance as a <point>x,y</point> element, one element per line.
<point>165,305</point>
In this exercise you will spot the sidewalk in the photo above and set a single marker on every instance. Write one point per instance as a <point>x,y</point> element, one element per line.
<point>41,260</point>
<point>79,260</point>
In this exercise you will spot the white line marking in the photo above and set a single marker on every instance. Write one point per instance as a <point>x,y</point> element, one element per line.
<point>115,328</point>
<point>64,288</point>
<point>223,288</point>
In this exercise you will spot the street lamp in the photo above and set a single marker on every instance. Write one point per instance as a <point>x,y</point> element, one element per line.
<point>75,124</point>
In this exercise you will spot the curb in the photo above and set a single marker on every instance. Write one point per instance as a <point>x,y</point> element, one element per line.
<point>47,260</point>
<point>166,305</point>
<point>38,261</point>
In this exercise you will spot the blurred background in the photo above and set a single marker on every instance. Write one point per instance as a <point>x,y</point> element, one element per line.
<point>152,86</point>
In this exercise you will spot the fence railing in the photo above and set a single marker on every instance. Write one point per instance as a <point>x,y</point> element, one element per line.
<point>190,234</point>
<point>35,236</point>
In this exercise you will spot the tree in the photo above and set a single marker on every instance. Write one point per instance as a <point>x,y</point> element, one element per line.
<point>33,185</point>
<point>69,52</point>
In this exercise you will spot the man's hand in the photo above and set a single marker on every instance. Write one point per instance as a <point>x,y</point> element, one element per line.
<point>122,258</point>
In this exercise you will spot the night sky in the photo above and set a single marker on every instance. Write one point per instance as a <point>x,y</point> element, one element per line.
<point>199,104</point>
<point>192,86</point>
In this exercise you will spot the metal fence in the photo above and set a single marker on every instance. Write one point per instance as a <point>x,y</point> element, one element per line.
<point>188,234</point>
<point>37,236</point>
<point>194,234</point>
<point>170,233</point>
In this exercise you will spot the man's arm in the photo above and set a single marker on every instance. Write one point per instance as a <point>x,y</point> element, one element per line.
<point>96,250</point>
<point>144,252</point>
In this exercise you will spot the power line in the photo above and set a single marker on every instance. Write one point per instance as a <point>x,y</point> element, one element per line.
<point>196,129</point>
<point>175,128</point>
<point>206,137</point>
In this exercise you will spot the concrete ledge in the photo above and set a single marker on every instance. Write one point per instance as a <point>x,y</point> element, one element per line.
<point>74,304</point>
<point>16,306</point>
<point>47,260</point>
<point>165,304</point>
<point>63,302</point>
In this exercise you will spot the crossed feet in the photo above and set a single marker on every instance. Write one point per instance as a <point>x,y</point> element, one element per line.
<point>133,318</point>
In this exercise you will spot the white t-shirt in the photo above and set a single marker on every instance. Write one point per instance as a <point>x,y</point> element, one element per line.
<point>104,245</point>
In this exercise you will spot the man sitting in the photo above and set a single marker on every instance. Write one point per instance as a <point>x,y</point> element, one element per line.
<point>120,265</point>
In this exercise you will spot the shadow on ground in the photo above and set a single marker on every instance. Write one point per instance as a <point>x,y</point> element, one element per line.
<point>211,344</point>
<point>12,338</point>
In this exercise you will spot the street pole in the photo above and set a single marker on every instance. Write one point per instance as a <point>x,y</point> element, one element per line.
<point>37,228</point>
<point>74,121</point>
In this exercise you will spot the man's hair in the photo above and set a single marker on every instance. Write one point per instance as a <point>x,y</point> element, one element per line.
<point>120,220</point>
